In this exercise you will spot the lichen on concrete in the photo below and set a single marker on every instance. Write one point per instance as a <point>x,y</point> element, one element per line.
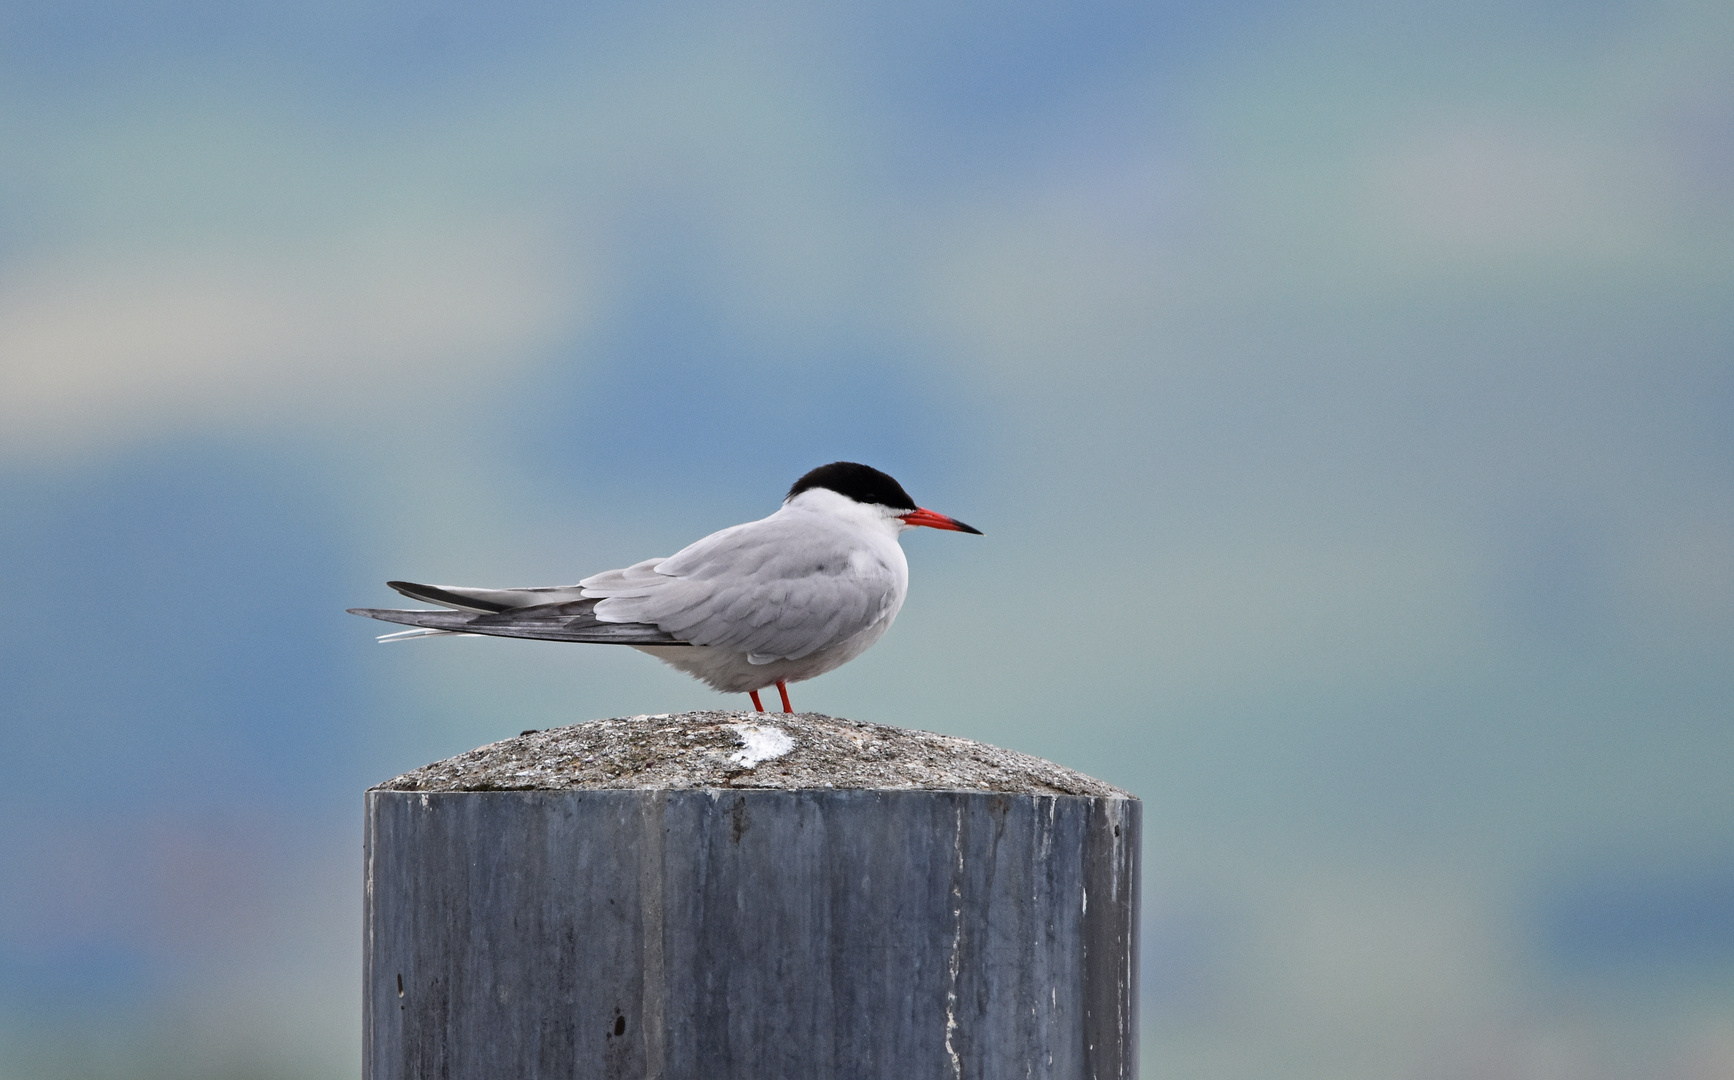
<point>726,750</point>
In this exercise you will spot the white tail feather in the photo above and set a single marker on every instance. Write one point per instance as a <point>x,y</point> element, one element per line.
<point>405,635</point>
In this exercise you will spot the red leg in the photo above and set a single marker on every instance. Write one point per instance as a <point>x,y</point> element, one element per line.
<point>783,690</point>
<point>756,703</point>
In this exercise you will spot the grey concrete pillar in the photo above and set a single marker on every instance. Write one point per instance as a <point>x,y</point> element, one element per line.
<point>749,895</point>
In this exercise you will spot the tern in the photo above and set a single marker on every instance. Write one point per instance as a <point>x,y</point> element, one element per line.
<point>774,601</point>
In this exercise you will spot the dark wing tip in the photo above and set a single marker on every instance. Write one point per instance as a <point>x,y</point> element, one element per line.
<point>433,594</point>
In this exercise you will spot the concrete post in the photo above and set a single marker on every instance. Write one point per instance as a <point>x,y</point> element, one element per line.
<point>759,896</point>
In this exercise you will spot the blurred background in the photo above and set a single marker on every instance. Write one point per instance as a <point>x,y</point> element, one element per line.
<point>1346,392</point>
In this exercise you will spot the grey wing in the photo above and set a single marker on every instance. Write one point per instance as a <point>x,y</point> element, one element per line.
<point>573,620</point>
<point>767,589</point>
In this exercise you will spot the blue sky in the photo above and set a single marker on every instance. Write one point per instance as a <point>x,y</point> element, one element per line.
<point>1346,393</point>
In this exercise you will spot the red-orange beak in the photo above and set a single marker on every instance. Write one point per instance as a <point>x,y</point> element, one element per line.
<point>936,521</point>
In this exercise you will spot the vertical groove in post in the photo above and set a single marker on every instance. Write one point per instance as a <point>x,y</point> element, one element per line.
<point>369,951</point>
<point>954,955</point>
<point>651,886</point>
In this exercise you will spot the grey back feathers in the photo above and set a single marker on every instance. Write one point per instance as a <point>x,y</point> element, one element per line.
<point>777,589</point>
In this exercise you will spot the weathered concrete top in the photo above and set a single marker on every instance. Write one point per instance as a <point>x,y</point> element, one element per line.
<point>744,750</point>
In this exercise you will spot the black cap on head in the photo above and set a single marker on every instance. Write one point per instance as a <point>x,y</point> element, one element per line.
<point>862,483</point>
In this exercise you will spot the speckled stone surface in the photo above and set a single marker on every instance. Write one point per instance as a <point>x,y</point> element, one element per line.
<point>741,750</point>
